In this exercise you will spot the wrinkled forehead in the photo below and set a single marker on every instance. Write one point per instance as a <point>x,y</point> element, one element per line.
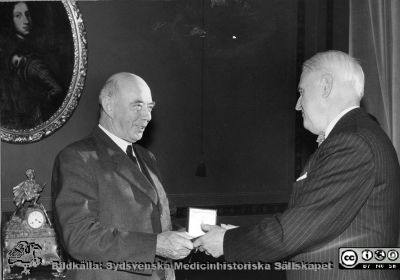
<point>134,89</point>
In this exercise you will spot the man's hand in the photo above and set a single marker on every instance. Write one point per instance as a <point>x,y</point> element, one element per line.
<point>212,242</point>
<point>173,245</point>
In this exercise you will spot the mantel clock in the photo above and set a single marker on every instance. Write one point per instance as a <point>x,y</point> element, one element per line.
<point>29,237</point>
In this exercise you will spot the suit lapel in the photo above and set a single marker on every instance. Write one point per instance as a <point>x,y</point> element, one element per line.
<point>123,165</point>
<point>144,165</point>
<point>148,167</point>
<point>131,173</point>
<point>349,119</point>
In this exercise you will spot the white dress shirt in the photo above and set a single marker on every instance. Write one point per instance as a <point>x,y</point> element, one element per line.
<point>123,144</point>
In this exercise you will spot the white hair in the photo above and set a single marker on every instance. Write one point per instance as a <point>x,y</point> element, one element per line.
<point>340,65</point>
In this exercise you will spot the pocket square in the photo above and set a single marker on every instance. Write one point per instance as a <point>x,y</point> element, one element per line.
<point>302,177</point>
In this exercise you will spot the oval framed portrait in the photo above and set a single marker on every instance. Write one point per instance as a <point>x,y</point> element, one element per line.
<point>43,62</point>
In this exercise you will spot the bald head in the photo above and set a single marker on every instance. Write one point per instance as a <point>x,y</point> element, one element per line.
<point>123,80</point>
<point>126,104</point>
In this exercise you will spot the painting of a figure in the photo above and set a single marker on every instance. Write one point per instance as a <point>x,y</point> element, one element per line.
<point>36,68</point>
<point>36,62</point>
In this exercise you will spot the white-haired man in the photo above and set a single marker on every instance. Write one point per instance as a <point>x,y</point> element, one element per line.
<point>347,195</point>
<point>109,203</point>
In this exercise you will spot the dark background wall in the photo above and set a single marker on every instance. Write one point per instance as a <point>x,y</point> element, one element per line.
<point>224,79</point>
<point>225,97</point>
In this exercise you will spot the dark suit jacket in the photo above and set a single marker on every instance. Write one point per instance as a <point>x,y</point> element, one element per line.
<point>350,198</point>
<point>106,209</point>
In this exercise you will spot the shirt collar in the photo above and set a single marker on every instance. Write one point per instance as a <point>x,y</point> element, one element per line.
<point>123,144</point>
<point>336,119</point>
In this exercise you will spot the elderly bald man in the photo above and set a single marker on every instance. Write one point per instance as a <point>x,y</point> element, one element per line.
<point>347,195</point>
<point>109,202</point>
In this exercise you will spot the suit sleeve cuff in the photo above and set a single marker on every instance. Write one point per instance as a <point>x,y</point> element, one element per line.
<point>231,244</point>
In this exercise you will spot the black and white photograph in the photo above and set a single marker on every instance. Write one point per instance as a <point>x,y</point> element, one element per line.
<point>200,139</point>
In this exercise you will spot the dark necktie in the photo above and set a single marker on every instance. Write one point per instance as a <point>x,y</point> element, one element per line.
<point>129,152</point>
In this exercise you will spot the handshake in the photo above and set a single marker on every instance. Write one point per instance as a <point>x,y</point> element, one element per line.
<point>177,245</point>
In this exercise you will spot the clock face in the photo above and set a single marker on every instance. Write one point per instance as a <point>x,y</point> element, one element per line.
<point>36,219</point>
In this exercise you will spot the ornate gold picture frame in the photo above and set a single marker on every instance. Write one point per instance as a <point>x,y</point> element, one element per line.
<point>43,56</point>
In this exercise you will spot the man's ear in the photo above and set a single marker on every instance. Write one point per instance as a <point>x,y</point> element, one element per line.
<point>327,84</point>
<point>106,103</point>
